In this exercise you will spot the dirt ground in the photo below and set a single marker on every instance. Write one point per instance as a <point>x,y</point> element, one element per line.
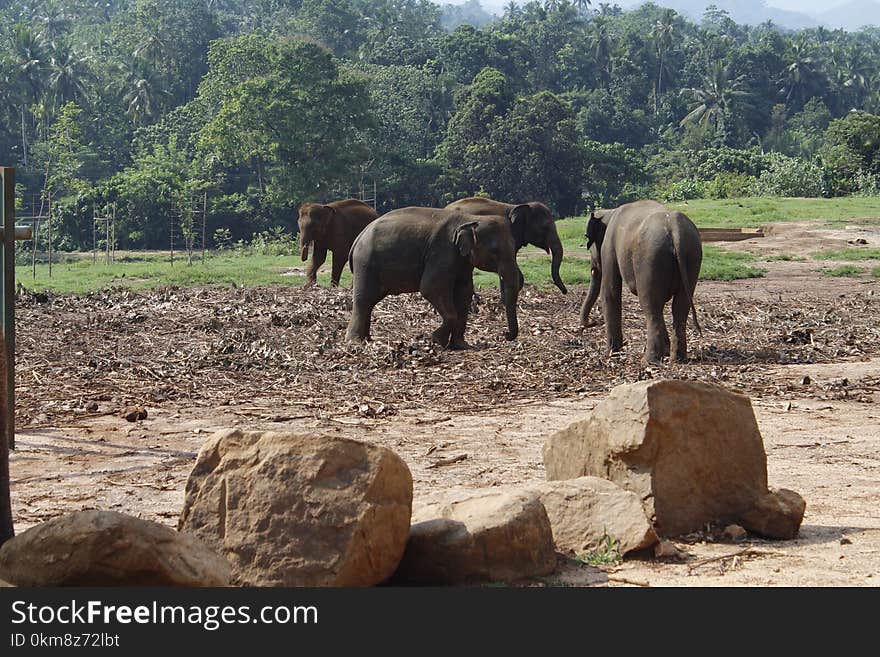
<point>804,346</point>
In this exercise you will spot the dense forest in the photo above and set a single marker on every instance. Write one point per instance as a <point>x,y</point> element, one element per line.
<point>265,104</point>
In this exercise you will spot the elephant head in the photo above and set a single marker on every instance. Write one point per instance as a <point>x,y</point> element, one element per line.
<point>532,223</point>
<point>597,224</point>
<point>488,243</point>
<point>315,221</point>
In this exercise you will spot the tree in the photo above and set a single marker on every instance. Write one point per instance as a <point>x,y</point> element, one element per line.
<point>663,34</point>
<point>715,102</point>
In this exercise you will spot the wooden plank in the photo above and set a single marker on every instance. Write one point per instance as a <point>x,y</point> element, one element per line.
<point>729,234</point>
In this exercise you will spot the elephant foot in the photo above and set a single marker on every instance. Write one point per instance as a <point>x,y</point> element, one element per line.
<point>459,345</point>
<point>311,283</point>
<point>441,336</point>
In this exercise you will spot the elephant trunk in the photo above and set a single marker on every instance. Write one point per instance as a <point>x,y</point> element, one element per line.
<point>555,246</point>
<point>592,295</point>
<point>511,294</point>
<point>304,247</point>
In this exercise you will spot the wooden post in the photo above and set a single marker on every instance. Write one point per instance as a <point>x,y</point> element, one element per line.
<point>172,236</point>
<point>204,221</point>
<point>8,306</point>
<point>113,235</point>
<point>49,227</point>
<point>94,238</point>
<point>36,220</point>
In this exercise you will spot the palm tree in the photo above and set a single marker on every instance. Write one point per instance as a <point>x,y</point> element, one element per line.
<point>800,75</point>
<point>715,101</point>
<point>602,47</point>
<point>28,51</point>
<point>662,33</point>
<point>67,76</point>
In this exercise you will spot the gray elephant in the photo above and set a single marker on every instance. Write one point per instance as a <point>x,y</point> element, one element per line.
<point>332,227</point>
<point>658,254</point>
<point>433,252</point>
<point>531,223</point>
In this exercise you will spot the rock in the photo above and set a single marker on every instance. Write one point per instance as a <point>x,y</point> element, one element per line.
<point>845,541</point>
<point>777,514</point>
<point>133,413</point>
<point>4,584</point>
<point>105,548</point>
<point>292,509</point>
<point>691,451</point>
<point>472,536</point>
<point>583,511</point>
<point>668,550</point>
<point>735,533</point>
<point>92,406</point>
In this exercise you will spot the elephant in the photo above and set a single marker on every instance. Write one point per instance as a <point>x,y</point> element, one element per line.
<point>434,252</point>
<point>658,254</point>
<point>332,227</point>
<point>532,223</point>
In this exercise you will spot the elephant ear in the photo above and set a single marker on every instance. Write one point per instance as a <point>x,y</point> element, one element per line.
<point>520,213</point>
<point>595,231</point>
<point>465,238</point>
<point>330,209</point>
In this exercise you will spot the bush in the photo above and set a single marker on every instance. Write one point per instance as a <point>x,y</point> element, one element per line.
<point>867,183</point>
<point>274,241</point>
<point>730,185</point>
<point>681,190</point>
<point>789,176</point>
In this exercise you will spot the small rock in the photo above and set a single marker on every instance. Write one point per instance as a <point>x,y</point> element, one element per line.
<point>806,381</point>
<point>92,406</point>
<point>133,413</point>
<point>777,514</point>
<point>735,533</point>
<point>667,550</point>
<point>845,541</point>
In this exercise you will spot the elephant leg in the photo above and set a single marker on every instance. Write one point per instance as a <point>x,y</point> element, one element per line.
<point>363,302</point>
<point>338,267</point>
<point>655,328</point>
<point>319,255</point>
<point>680,308</point>
<point>444,304</point>
<point>522,282</point>
<point>612,289</point>
<point>462,295</point>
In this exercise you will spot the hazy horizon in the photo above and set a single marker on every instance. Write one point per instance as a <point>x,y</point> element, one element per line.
<point>802,6</point>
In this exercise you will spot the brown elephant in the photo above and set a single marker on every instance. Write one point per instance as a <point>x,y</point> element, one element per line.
<point>657,253</point>
<point>332,227</point>
<point>433,252</point>
<point>531,223</point>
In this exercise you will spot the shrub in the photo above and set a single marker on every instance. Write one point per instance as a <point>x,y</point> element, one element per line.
<point>681,190</point>
<point>730,185</point>
<point>867,183</point>
<point>789,176</point>
<point>275,241</point>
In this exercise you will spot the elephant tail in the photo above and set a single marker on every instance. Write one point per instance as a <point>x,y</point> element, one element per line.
<point>682,271</point>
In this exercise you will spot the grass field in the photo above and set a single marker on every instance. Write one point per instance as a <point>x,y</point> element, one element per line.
<point>151,270</point>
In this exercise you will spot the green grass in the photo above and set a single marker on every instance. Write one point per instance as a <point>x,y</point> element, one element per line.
<point>875,272</point>
<point>754,212</point>
<point>720,265</point>
<point>153,270</point>
<point>844,270</point>
<point>848,254</point>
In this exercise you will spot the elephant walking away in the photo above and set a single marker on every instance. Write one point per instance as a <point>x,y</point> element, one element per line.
<point>433,252</point>
<point>531,223</point>
<point>658,254</point>
<point>332,227</point>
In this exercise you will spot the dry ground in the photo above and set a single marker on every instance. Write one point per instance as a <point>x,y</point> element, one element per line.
<point>805,347</point>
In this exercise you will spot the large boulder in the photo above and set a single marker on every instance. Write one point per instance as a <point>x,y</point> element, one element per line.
<point>473,536</point>
<point>585,510</point>
<point>105,548</point>
<point>691,451</point>
<point>292,509</point>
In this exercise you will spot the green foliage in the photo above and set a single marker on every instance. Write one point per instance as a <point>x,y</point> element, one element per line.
<point>787,176</point>
<point>721,265</point>
<point>607,553</point>
<point>681,190</point>
<point>729,185</point>
<point>614,174</point>
<point>852,145</point>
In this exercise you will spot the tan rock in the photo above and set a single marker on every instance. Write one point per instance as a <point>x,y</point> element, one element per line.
<point>472,536</point>
<point>778,514</point>
<point>583,511</point>
<point>105,548</point>
<point>292,509</point>
<point>735,533</point>
<point>668,550</point>
<point>691,451</point>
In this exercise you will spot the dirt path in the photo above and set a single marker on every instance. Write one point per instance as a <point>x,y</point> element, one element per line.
<point>493,407</point>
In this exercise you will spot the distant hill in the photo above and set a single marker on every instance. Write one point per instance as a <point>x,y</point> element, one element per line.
<point>852,15</point>
<point>470,13</point>
<point>748,12</point>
